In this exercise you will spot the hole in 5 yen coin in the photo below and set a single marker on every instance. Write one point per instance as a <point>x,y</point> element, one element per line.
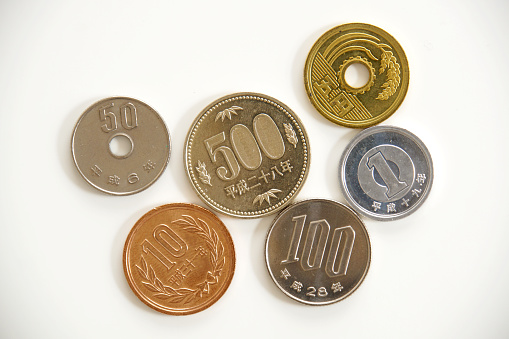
<point>357,75</point>
<point>121,146</point>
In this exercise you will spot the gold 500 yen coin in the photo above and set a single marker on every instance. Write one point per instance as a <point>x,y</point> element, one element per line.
<point>247,155</point>
<point>363,105</point>
<point>179,259</point>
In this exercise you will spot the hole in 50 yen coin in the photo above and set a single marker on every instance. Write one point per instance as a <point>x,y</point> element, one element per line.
<point>121,146</point>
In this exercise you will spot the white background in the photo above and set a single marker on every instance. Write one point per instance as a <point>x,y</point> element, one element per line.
<point>440,273</point>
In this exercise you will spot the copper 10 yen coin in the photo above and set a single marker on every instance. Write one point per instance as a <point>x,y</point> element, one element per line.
<point>179,259</point>
<point>368,48</point>
<point>247,155</point>
<point>317,251</point>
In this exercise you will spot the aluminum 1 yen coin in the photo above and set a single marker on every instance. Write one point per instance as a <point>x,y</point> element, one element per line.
<point>356,44</point>
<point>247,155</point>
<point>318,251</point>
<point>135,167</point>
<point>179,259</point>
<point>386,173</point>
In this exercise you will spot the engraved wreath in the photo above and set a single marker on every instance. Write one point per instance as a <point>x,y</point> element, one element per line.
<point>216,257</point>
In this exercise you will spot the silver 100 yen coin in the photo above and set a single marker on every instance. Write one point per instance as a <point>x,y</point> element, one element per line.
<point>386,173</point>
<point>318,251</point>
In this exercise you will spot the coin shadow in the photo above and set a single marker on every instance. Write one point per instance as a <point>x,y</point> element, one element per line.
<point>346,134</point>
<point>64,146</point>
<point>117,250</point>
<point>258,259</point>
<point>332,172</point>
<point>178,140</point>
<point>298,71</point>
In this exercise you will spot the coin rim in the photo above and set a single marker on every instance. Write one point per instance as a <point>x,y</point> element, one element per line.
<point>147,301</point>
<point>88,110</point>
<point>348,150</point>
<point>362,123</point>
<point>297,187</point>
<point>359,283</point>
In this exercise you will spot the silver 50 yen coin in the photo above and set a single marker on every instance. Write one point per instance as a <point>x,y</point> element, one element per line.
<point>318,251</point>
<point>120,145</point>
<point>247,155</point>
<point>386,172</point>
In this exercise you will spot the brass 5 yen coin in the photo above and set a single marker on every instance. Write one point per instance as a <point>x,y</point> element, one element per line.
<point>179,259</point>
<point>120,145</point>
<point>247,155</point>
<point>371,49</point>
<point>317,251</point>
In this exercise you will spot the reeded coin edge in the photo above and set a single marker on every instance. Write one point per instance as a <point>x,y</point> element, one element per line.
<point>208,110</point>
<point>147,301</point>
<point>269,232</point>
<point>342,172</point>
<point>348,123</point>
<point>105,190</point>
